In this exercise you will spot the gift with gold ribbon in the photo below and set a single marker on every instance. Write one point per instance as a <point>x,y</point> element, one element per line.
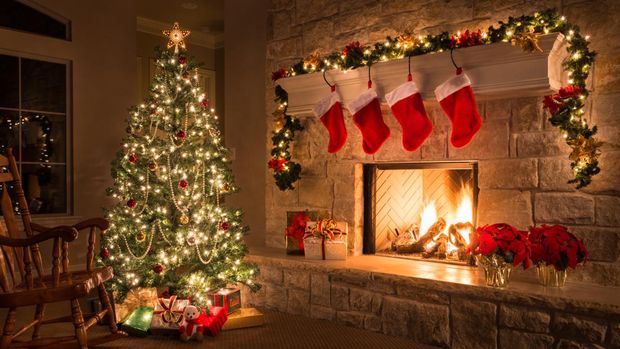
<point>168,315</point>
<point>326,239</point>
<point>136,298</point>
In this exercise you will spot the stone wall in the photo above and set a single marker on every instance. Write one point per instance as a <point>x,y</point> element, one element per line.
<point>523,161</point>
<point>441,314</point>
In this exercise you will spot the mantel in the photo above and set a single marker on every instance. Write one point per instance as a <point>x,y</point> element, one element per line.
<point>496,71</point>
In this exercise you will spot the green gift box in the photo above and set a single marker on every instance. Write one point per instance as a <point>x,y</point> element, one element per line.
<point>228,298</point>
<point>139,322</point>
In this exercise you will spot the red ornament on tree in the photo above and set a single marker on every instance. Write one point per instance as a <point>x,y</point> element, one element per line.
<point>278,74</point>
<point>182,60</point>
<point>104,253</point>
<point>131,203</point>
<point>224,226</point>
<point>133,158</point>
<point>181,134</point>
<point>183,184</point>
<point>205,103</point>
<point>158,268</point>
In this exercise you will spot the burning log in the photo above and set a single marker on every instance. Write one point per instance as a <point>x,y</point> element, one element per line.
<point>420,244</point>
<point>438,248</point>
<point>407,238</point>
<point>457,239</point>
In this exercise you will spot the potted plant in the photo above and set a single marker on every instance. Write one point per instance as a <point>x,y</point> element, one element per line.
<point>499,248</point>
<point>554,250</point>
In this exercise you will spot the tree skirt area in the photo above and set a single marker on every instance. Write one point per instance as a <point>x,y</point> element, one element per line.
<point>279,331</point>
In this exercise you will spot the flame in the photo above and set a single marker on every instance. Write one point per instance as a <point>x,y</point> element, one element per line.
<point>428,218</point>
<point>464,213</point>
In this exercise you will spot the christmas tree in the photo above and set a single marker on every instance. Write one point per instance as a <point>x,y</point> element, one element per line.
<point>169,227</point>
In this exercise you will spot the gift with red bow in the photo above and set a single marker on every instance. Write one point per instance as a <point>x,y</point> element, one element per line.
<point>168,314</point>
<point>326,239</point>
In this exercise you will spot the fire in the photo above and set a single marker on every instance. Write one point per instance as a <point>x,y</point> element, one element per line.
<point>463,213</point>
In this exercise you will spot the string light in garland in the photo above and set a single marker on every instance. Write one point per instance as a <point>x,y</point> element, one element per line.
<point>566,108</point>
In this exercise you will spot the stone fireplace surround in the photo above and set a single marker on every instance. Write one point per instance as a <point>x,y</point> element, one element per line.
<point>437,304</point>
<point>523,169</point>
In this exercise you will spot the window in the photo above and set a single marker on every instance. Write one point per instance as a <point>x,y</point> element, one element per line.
<point>26,16</point>
<point>34,122</point>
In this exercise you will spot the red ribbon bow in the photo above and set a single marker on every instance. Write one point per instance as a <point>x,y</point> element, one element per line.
<point>168,315</point>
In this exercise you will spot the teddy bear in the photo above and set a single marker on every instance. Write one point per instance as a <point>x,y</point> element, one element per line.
<point>192,325</point>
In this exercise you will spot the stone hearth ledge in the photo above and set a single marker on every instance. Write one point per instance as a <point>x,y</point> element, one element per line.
<point>456,280</point>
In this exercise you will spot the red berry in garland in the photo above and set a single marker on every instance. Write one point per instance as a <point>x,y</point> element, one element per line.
<point>131,203</point>
<point>182,60</point>
<point>158,268</point>
<point>183,184</point>
<point>224,226</point>
<point>104,253</point>
<point>205,103</point>
<point>133,158</point>
<point>181,134</point>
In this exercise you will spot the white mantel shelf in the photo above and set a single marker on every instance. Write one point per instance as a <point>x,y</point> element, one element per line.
<point>497,71</point>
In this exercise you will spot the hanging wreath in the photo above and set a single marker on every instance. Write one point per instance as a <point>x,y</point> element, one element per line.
<point>566,108</point>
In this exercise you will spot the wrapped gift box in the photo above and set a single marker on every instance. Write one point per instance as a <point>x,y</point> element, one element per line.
<point>296,228</point>
<point>326,248</point>
<point>245,317</point>
<point>138,322</point>
<point>136,298</point>
<point>229,298</point>
<point>216,319</point>
<point>168,315</point>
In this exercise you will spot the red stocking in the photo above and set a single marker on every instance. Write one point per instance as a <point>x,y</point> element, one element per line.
<point>329,110</point>
<point>407,107</point>
<point>367,116</point>
<point>457,100</point>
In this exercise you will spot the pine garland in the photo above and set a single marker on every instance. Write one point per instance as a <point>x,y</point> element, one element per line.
<point>566,108</point>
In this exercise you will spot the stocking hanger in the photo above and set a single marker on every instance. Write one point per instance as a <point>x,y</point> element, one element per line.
<point>333,87</point>
<point>369,80</point>
<point>458,68</point>
<point>409,77</point>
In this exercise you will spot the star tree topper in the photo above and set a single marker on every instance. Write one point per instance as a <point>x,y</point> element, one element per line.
<point>176,36</point>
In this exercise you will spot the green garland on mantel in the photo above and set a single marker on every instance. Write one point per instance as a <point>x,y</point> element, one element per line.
<point>566,108</point>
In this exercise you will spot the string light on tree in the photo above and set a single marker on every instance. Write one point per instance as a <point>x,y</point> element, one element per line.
<point>168,179</point>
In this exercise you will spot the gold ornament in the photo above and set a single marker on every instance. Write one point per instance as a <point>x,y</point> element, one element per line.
<point>279,124</point>
<point>584,149</point>
<point>406,40</point>
<point>141,236</point>
<point>176,36</point>
<point>312,62</point>
<point>226,188</point>
<point>184,219</point>
<point>527,41</point>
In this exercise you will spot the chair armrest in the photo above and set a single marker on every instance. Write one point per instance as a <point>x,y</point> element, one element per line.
<point>100,223</point>
<point>65,232</point>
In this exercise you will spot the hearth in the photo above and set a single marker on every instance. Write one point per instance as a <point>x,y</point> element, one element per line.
<point>420,210</point>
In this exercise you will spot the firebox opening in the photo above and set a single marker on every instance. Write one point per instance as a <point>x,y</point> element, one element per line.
<point>420,210</point>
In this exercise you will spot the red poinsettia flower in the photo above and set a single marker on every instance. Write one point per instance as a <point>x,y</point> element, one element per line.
<point>555,245</point>
<point>297,229</point>
<point>487,244</point>
<point>277,164</point>
<point>570,91</point>
<point>353,46</point>
<point>505,241</point>
<point>467,39</point>
<point>278,74</point>
<point>552,103</point>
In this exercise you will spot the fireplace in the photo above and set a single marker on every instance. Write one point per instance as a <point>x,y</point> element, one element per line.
<point>420,210</point>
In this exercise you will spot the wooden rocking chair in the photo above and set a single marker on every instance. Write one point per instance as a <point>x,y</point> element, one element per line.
<point>20,288</point>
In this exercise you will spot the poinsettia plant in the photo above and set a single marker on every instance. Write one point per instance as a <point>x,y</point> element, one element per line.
<point>502,240</point>
<point>297,229</point>
<point>555,245</point>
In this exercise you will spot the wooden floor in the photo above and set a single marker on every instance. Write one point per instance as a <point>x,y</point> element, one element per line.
<point>280,331</point>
